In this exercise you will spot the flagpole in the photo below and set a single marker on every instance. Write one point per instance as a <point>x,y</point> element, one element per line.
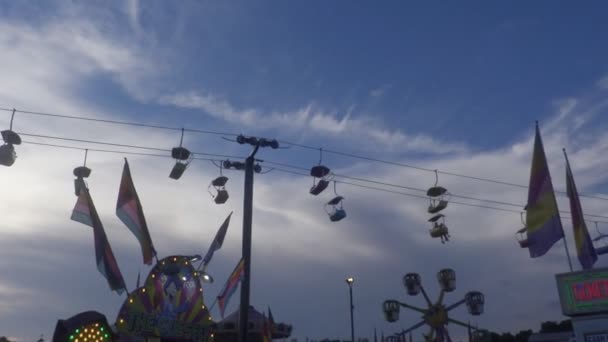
<point>560,218</point>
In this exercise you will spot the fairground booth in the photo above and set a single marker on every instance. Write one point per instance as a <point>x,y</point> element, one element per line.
<point>584,297</point>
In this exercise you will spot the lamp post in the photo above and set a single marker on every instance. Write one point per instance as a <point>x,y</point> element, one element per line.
<point>350,281</point>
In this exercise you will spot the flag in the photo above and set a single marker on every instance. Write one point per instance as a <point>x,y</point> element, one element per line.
<point>218,240</point>
<point>130,212</point>
<point>542,217</point>
<point>587,255</point>
<point>266,334</point>
<point>271,322</point>
<point>85,212</point>
<point>230,287</point>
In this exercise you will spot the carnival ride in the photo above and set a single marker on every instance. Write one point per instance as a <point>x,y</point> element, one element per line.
<point>435,316</point>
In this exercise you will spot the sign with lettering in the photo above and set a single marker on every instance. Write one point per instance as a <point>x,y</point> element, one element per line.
<point>597,337</point>
<point>584,292</point>
<point>168,305</point>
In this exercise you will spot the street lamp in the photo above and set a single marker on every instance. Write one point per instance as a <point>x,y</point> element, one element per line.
<point>350,281</point>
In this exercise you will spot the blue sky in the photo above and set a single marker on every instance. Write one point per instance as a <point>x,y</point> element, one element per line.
<point>450,86</point>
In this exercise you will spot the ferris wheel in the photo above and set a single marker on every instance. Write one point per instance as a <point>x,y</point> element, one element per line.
<point>435,315</point>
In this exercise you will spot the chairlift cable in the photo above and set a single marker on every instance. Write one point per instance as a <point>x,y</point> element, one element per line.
<point>285,165</point>
<point>350,155</point>
<point>109,151</point>
<point>423,190</point>
<point>118,122</point>
<point>420,196</point>
<point>388,162</point>
<point>122,145</point>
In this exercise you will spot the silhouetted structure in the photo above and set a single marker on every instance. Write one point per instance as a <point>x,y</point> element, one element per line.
<point>227,330</point>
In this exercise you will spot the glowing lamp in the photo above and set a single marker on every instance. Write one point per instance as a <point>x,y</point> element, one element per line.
<point>206,277</point>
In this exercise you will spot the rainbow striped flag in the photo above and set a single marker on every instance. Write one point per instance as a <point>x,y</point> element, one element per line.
<point>130,212</point>
<point>231,286</point>
<point>542,215</point>
<point>587,255</point>
<point>85,212</point>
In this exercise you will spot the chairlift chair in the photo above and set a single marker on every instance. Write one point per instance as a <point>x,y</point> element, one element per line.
<point>322,173</point>
<point>181,155</point>
<point>81,172</point>
<point>604,249</point>
<point>438,197</point>
<point>439,229</point>
<point>7,150</point>
<point>219,184</point>
<point>334,208</point>
<point>521,238</point>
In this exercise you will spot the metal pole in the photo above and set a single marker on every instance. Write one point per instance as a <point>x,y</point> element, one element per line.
<point>352,326</point>
<point>247,219</point>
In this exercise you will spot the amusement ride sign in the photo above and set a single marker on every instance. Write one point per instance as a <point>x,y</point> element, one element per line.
<point>168,305</point>
<point>584,292</point>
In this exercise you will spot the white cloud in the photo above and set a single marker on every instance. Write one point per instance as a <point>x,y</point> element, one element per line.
<point>360,129</point>
<point>603,82</point>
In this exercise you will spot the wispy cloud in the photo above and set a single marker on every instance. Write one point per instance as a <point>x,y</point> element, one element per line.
<point>362,129</point>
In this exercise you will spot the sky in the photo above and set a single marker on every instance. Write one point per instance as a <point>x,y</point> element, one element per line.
<point>454,87</point>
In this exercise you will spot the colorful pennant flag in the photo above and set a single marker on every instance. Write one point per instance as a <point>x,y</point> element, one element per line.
<point>231,285</point>
<point>130,212</point>
<point>218,240</point>
<point>542,217</point>
<point>587,255</point>
<point>85,212</point>
<point>266,333</point>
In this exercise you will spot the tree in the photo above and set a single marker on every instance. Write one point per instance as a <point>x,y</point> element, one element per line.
<point>4,339</point>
